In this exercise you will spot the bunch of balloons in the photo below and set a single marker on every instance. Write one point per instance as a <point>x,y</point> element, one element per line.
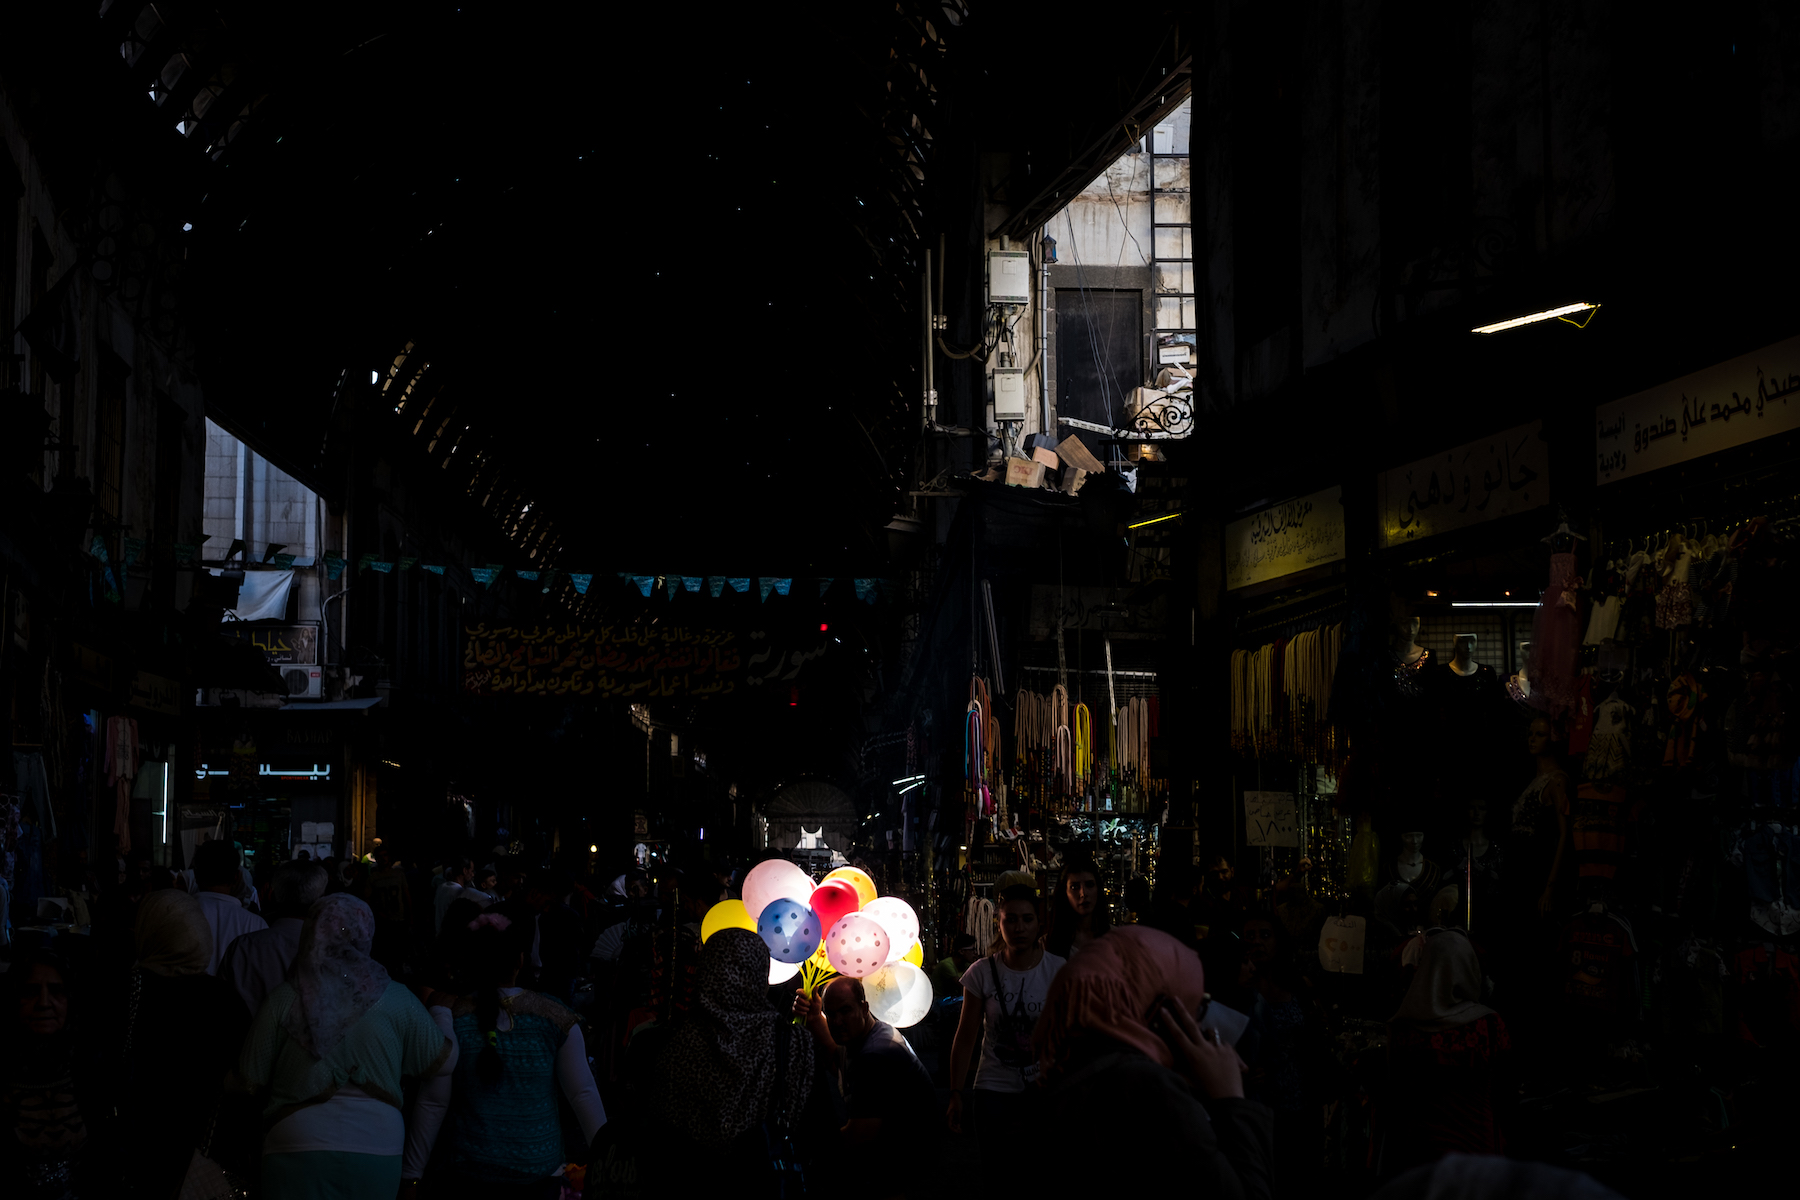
<point>840,927</point>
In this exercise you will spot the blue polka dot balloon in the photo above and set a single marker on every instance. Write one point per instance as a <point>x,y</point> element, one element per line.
<point>790,930</point>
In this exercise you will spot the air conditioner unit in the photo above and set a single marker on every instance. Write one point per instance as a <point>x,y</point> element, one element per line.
<point>304,683</point>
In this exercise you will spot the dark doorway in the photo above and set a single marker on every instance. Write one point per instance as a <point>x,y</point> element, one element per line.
<point>1098,357</point>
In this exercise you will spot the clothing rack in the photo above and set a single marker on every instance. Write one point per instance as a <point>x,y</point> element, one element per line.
<point>1278,623</point>
<point>1100,671</point>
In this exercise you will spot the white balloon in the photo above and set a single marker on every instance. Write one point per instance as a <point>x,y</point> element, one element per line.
<point>774,880</point>
<point>780,972</point>
<point>902,923</point>
<point>899,994</point>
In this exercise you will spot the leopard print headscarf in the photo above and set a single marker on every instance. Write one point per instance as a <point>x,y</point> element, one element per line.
<point>717,1074</point>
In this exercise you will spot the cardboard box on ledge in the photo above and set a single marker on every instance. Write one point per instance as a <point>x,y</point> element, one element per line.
<point>1022,472</point>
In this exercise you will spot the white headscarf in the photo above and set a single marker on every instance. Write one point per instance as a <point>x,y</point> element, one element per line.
<point>1446,991</point>
<point>336,980</point>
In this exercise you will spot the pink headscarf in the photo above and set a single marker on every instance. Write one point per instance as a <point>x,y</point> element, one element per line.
<point>335,979</point>
<point>1111,988</point>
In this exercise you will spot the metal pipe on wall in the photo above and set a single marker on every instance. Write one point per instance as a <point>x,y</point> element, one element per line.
<point>929,400</point>
<point>1043,324</point>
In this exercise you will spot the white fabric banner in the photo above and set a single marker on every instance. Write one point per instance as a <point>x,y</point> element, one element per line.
<point>263,596</point>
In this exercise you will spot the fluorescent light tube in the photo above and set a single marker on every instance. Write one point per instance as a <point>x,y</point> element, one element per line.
<point>1546,315</point>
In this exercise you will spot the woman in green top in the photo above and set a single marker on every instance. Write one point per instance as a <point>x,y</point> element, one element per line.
<point>327,1053</point>
<point>517,1051</point>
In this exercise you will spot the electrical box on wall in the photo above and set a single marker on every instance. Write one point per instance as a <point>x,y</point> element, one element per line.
<point>1009,394</point>
<point>1009,277</point>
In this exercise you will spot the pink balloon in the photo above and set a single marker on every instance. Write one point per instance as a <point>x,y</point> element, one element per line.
<point>832,902</point>
<point>856,946</point>
<point>777,879</point>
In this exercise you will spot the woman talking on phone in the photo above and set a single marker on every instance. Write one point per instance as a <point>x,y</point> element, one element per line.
<point>1125,1031</point>
<point>1002,997</point>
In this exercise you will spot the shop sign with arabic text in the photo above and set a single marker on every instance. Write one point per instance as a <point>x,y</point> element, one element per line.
<point>1723,406</point>
<point>1495,477</point>
<point>1307,532</point>
<point>634,660</point>
<point>284,644</point>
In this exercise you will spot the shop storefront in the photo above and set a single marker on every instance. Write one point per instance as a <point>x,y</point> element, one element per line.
<point>283,782</point>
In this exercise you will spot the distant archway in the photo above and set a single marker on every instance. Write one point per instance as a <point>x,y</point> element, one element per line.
<point>815,807</point>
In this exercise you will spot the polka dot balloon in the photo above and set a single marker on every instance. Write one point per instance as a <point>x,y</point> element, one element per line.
<point>897,917</point>
<point>789,929</point>
<point>856,946</point>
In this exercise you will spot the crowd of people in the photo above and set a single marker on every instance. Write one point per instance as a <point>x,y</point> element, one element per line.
<point>364,1030</point>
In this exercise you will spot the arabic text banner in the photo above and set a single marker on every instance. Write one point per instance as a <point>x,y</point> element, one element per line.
<point>1302,533</point>
<point>1495,477</point>
<point>1723,406</point>
<point>605,660</point>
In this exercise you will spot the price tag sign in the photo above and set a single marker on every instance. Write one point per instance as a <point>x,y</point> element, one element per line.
<point>1270,819</point>
<point>1341,945</point>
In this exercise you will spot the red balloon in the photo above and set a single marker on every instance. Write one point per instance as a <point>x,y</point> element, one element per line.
<point>831,902</point>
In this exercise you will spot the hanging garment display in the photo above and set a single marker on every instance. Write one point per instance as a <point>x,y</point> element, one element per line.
<point>1281,693</point>
<point>1556,640</point>
<point>1609,746</point>
<point>1675,603</point>
<point>1766,853</point>
<point>121,769</point>
<point>34,787</point>
<point>1685,698</point>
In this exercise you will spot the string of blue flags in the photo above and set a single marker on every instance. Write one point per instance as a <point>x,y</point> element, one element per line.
<point>867,590</point>
<point>715,586</point>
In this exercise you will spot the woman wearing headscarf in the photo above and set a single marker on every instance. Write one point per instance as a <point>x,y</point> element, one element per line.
<point>327,1053</point>
<point>53,1098</point>
<point>180,1028</point>
<point>1121,1033</point>
<point>1449,1060</point>
<point>517,1050</point>
<point>717,1079</point>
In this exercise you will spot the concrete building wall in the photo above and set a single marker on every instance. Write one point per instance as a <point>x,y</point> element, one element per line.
<point>249,497</point>
<point>1105,241</point>
<point>158,388</point>
<point>1531,181</point>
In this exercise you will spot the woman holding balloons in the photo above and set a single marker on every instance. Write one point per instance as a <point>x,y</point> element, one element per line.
<point>1002,997</point>
<point>717,1076</point>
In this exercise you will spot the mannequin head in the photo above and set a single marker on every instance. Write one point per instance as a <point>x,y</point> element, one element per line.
<point>1463,653</point>
<point>1537,741</point>
<point>1405,632</point>
<point>1478,813</point>
<point>1412,845</point>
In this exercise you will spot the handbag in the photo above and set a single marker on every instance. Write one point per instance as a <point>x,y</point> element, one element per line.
<point>787,1174</point>
<point>205,1178</point>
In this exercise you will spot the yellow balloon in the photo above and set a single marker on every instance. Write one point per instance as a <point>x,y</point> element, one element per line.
<point>726,914</point>
<point>865,887</point>
<point>915,956</point>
